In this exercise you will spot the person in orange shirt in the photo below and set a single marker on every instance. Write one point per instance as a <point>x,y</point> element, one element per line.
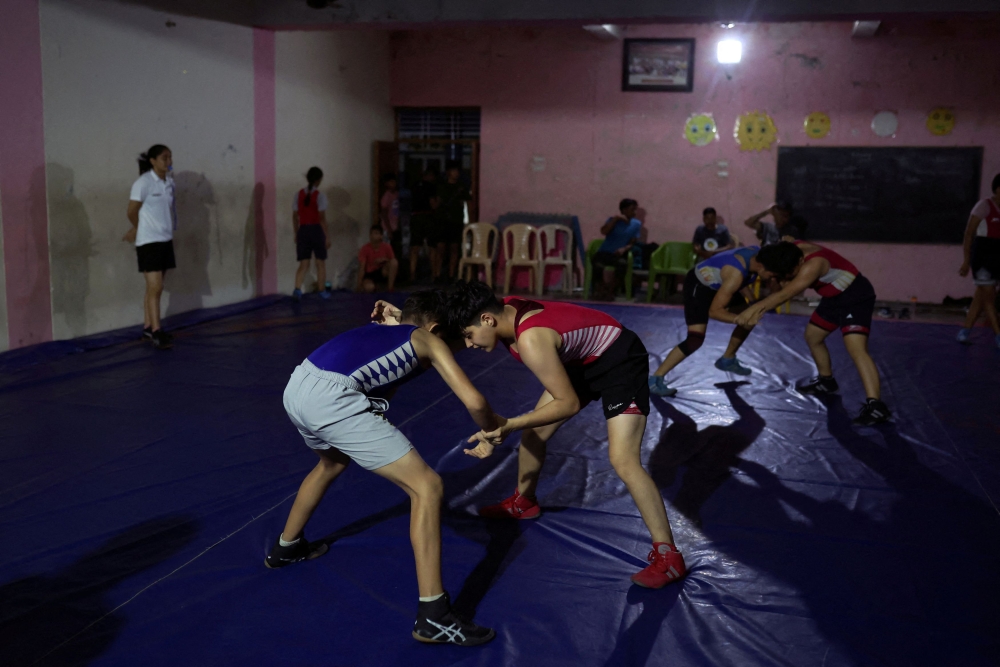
<point>376,261</point>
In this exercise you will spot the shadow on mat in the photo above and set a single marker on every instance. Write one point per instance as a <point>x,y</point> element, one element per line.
<point>62,618</point>
<point>499,538</point>
<point>708,455</point>
<point>900,574</point>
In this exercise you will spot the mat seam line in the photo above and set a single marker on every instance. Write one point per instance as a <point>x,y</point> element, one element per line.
<point>163,578</point>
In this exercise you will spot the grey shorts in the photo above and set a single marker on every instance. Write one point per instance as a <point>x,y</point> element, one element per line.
<point>330,411</point>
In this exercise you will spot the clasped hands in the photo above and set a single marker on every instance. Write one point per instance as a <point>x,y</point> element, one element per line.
<point>488,441</point>
<point>750,317</point>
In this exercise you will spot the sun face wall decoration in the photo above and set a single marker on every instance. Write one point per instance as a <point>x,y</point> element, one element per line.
<point>816,125</point>
<point>941,121</point>
<point>700,129</point>
<point>755,131</point>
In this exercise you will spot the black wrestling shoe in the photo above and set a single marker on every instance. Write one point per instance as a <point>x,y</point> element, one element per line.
<point>437,624</point>
<point>162,340</point>
<point>818,385</point>
<point>874,412</point>
<point>147,333</point>
<point>302,549</point>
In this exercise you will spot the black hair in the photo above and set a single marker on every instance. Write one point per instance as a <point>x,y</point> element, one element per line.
<point>996,184</point>
<point>707,211</point>
<point>376,228</point>
<point>784,205</point>
<point>145,159</point>
<point>422,308</point>
<point>625,203</point>
<point>466,301</point>
<point>780,258</point>
<point>313,176</point>
<point>389,177</point>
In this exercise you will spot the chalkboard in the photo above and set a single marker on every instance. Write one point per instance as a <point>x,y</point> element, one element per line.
<point>881,195</point>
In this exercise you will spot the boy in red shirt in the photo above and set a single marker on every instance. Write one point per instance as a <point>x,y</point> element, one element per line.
<point>376,261</point>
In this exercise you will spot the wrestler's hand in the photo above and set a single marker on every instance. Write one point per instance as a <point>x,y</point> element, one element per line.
<point>385,313</point>
<point>964,271</point>
<point>492,438</point>
<point>480,451</point>
<point>750,316</point>
<point>129,235</point>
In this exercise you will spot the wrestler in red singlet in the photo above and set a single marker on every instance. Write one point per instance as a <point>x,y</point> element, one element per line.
<point>579,355</point>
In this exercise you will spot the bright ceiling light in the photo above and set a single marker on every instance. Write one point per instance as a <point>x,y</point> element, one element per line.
<point>730,51</point>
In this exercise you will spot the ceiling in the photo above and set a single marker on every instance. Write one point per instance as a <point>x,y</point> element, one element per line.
<point>388,14</point>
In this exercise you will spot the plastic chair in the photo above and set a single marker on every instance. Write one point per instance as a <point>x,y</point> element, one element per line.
<point>521,248</point>
<point>552,255</point>
<point>670,259</point>
<point>588,272</point>
<point>479,248</point>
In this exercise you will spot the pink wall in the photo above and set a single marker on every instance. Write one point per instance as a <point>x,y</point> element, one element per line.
<point>22,175</point>
<point>265,161</point>
<point>555,93</point>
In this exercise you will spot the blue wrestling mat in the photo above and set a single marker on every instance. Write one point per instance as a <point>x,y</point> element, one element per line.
<point>140,490</point>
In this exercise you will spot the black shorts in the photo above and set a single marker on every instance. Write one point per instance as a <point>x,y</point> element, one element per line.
<point>155,256</point>
<point>698,300</point>
<point>601,260</point>
<point>850,311</point>
<point>452,232</point>
<point>425,227</point>
<point>310,241</point>
<point>374,276</point>
<point>985,260</point>
<point>619,377</point>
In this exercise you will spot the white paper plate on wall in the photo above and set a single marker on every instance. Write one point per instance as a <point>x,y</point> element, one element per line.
<point>884,124</point>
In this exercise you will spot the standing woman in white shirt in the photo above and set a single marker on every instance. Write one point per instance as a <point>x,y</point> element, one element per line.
<point>151,212</point>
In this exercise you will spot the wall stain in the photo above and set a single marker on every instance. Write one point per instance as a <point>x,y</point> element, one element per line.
<point>807,61</point>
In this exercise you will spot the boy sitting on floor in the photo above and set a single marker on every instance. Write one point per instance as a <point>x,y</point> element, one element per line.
<point>376,262</point>
<point>331,400</point>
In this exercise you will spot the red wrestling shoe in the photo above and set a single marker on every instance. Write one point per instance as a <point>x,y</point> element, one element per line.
<point>515,507</point>
<point>666,565</point>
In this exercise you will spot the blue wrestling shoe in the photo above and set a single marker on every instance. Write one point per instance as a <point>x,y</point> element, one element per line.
<point>732,366</point>
<point>297,294</point>
<point>324,295</point>
<point>963,336</point>
<point>658,386</point>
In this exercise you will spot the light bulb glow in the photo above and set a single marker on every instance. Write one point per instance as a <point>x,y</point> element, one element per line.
<point>730,51</point>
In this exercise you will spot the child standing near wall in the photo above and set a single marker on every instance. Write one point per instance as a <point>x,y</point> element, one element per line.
<point>153,217</point>
<point>311,237</point>
<point>982,256</point>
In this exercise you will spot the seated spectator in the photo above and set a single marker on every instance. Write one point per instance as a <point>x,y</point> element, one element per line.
<point>786,226</point>
<point>621,233</point>
<point>376,261</point>
<point>711,237</point>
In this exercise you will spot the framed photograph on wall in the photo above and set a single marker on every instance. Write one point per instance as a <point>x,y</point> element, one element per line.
<point>658,65</point>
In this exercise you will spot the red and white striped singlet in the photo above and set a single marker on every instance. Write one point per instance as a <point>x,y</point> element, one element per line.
<point>840,276</point>
<point>586,334</point>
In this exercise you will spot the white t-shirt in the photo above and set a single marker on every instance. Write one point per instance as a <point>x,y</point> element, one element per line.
<point>320,200</point>
<point>982,210</point>
<point>157,217</point>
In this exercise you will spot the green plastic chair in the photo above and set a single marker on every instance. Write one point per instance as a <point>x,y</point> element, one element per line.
<point>670,259</point>
<point>588,269</point>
